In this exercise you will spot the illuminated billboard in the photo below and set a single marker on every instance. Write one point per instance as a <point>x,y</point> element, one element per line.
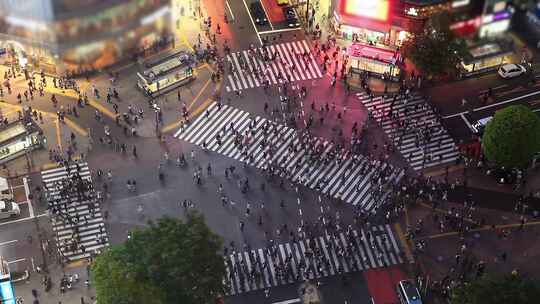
<point>372,9</point>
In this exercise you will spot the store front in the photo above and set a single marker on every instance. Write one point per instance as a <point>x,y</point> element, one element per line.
<point>362,21</point>
<point>18,138</point>
<point>375,61</point>
<point>487,57</point>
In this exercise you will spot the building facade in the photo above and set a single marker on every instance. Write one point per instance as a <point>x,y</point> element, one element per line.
<point>64,35</point>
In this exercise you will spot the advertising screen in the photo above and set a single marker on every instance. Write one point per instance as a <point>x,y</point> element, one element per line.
<point>372,9</point>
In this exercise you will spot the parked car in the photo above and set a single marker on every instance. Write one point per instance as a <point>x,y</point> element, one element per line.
<point>290,16</point>
<point>511,70</point>
<point>9,209</point>
<point>258,14</point>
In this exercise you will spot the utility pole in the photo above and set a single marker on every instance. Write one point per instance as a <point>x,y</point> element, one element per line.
<point>307,12</point>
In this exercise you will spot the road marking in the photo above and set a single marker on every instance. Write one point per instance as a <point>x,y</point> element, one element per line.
<point>33,264</point>
<point>280,31</point>
<point>199,94</point>
<point>203,106</point>
<point>493,89</point>
<point>16,261</point>
<point>22,219</point>
<point>76,127</point>
<point>494,104</point>
<point>253,23</point>
<point>8,242</point>
<point>404,242</point>
<point>484,228</point>
<point>58,135</point>
<point>467,122</point>
<point>267,16</point>
<point>230,10</point>
<point>291,301</point>
<point>27,192</point>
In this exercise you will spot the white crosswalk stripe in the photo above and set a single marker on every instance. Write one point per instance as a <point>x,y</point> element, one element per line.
<point>74,216</point>
<point>414,129</point>
<point>286,263</point>
<point>252,69</point>
<point>353,179</point>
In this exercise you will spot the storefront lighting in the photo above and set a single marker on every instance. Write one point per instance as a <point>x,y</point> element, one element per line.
<point>26,23</point>
<point>155,15</point>
<point>460,3</point>
<point>373,9</point>
<point>412,11</point>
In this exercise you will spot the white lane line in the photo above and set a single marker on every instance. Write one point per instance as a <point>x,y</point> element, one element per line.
<point>22,219</point>
<point>230,10</point>
<point>253,23</point>
<point>291,301</point>
<point>495,104</point>
<point>8,242</point>
<point>493,89</point>
<point>267,16</point>
<point>16,261</point>
<point>27,192</point>
<point>467,122</point>
<point>280,31</point>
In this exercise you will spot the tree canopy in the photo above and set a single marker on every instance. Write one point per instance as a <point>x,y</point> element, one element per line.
<point>433,47</point>
<point>490,289</point>
<point>512,137</point>
<point>171,261</point>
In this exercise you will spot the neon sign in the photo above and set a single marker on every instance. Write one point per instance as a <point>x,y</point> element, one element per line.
<point>372,9</point>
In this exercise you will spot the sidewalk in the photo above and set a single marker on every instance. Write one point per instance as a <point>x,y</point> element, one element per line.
<point>78,294</point>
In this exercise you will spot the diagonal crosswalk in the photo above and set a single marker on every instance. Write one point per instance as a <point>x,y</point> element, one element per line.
<point>74,216</point>
<point>342,252</point>
<point>257,67</point>
<point>414,129</point>
<point>313,162</point>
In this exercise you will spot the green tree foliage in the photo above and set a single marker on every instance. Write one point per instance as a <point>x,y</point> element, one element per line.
<point>489,289</point>
<point>512,137</point>
<point>171,261</point>
<point>433,48</point>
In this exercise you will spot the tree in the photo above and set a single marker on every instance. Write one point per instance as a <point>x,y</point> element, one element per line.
<point>512,137</point>
<point>433,48</point>
<point>171,261</point>
<point>490,289</point>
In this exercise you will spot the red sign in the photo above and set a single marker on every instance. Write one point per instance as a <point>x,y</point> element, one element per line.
<point>371,9</point>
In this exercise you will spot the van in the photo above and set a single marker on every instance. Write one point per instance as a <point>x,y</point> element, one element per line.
<point>408,293</point>
<point>9,209</point>
<point>5,191</point>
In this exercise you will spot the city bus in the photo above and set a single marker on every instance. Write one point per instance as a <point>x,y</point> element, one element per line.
<point>166,73</point>
<point>7,296</point>
<point>408,293</point>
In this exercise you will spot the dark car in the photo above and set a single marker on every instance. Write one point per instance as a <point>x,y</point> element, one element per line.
<point>258,14</point>
<point>290,16</point>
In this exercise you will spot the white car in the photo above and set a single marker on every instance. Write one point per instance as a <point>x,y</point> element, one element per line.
<point>511,70</point>
<point>9,209</point>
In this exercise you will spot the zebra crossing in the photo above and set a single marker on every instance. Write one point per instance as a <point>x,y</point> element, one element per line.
<point>251,70</point>
<point>347,178</point>
<point>77,218</point>
<point>413,119</point>
<point>318,257</point>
